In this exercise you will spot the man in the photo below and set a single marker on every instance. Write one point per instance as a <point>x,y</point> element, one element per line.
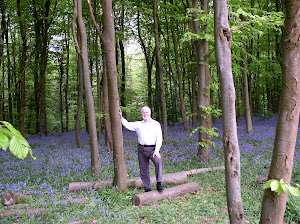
<point>150,140</point>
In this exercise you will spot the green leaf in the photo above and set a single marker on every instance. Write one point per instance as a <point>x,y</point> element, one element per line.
<point>11,128</point>
<point>268,183</point>
<point>274,185</point>
<point>295,191</point>
<point>240,11</point>
<point>4,141</point>
<point>279,189</point>
<point>18,147</point>
<point>285,188</point>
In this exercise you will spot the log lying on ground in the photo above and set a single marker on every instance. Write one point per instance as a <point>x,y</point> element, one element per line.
<point>28,212</point>
<point>84,221</point>
<point>134,182</point>
<point>172,192</point>
<point>203,170</point>
<point>11,198</point>
<point>63,202</point>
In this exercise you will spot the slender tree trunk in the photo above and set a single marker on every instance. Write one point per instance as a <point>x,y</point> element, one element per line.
<point>120,178</point>
<point>22,71</point>
<point>95,162</point>
<point>67,81</point>
<point>98,89</point>
<point>186,126</point>
<point>79,102</point>
<point>61,76</point>
<point>121,44</point>
<point>246,95</point>
<point>160,73</point>
<point>273,205</point>
<point>223,39</point>
<point>107,123</point>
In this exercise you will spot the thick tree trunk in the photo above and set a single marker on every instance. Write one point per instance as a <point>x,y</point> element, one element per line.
<point>273,205</point>
<point>203,97</point>
<point>112,77</point>
<point>223,39</point>
<point>95,162</point>
<point>160,73</point>
<point>172,192</point>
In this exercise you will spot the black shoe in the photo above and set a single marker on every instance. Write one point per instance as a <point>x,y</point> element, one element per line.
<point>147,190</point>
<point>159,187</point>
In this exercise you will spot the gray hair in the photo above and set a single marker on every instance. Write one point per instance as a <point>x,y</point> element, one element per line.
<point>144,107</point>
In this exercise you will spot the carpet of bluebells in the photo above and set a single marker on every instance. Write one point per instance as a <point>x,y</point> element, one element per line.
<point>59,162</point>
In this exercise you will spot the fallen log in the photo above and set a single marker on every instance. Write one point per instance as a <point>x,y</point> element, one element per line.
<point>172,192</point>
<point>63,202</point>
<point>28,212</point>
<point>11,198</point>
<point>134,182</point>
<point>203,170</point>
<point>84,221</point>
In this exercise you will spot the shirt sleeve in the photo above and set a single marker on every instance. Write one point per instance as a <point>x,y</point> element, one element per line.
<point>158,137</point>
<point>129,125</point>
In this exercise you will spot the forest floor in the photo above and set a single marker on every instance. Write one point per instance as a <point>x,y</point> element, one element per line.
<point>59,162</point>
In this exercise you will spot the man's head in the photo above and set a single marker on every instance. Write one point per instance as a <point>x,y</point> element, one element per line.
<point>146,113</point>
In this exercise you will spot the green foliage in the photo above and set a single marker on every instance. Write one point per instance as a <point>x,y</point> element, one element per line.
<point>280,186</point>
<point>213,132</point>
<point>12,139</point>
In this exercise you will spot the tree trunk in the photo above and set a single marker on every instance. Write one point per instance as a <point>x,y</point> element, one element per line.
<point>273,205</point>
<point>22,71</point>
<point>80,97</point>
<point>107,123</point>
<point>61,77</point>
<point>172,192</point>
<point>246,95</point>
<point>108,44</point>
<point>160,73</point>
<point>95,162</point>
<point>121,44</point>
<point>223,39</point>
<point>186,126</point>
<point>67,80</point>
<point>201,48</point>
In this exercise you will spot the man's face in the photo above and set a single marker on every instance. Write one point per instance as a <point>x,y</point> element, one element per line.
<point>146,114</point>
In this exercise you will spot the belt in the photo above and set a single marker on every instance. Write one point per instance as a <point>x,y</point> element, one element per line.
<point>147,145</point>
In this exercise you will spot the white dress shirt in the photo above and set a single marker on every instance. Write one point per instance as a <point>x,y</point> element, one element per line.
<point>148,133</point>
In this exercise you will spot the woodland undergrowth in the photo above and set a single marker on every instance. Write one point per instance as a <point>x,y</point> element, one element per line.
<point>59,162</point>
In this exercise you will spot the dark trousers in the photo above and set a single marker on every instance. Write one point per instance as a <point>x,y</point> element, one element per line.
<point>144,154</point>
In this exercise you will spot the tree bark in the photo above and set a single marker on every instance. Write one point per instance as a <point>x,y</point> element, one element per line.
<point>273,205</point>
<point>108,44</point>
<point>136,182</point>
<point>95,162</point>
<point>172,192</point>
<point>186,126</point>
<point>160,73</point>
<point>107,123</point>
<point>223,39</point>
<point>246,95</point>
<point>11,198</point>
<point>22,71</point>
<point>28,212</point>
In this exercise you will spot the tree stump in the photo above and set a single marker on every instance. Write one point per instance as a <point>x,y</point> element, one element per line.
<point>11,198</point>
<point>151,196</point>
<point>28,212</point>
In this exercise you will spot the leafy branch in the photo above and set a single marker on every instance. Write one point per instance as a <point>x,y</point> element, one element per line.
<point>12,139</point>
<point>280,186</point>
